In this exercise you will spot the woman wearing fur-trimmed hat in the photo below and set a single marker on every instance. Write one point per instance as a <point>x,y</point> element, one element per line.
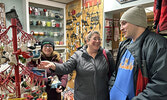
<point>48,53</point>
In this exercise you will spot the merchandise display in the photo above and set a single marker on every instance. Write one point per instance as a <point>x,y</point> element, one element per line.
<point>16,80</point>
<point>67,24</point>
<point>47,23</point>
<point>80,20</point>
<point>112,32</point>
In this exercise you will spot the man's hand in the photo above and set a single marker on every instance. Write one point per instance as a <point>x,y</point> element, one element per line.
<point>46,65</point>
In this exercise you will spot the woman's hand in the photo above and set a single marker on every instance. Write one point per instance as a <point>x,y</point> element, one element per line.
<point>59,89</point>
<point>46,65</point>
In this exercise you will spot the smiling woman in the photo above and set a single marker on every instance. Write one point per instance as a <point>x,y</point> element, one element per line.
<point>91,82</point>
<point>48,54</point>
<point>93,43</point>
<point>47,47</point>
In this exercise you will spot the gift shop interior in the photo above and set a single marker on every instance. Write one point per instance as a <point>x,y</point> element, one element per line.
<point>25,23</point>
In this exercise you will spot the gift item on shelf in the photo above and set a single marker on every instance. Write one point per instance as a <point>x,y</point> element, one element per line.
<point>46,21</point>
<point>116,29</point>
<point>36,11</point>
<point>109,29</point>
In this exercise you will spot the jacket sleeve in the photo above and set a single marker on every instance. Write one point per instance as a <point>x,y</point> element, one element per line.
<point>111,62</point>
<point>68,66</point>
<point>64,80</point>
<point>157,69</point>
<point>112,69</point>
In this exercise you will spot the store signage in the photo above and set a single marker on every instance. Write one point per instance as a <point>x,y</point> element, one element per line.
<point>125,1</point>
<point>89,3</point>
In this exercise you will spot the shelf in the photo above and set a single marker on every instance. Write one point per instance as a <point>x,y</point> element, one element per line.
<point>46,22</point>
<point>43,17</point>
<point>40,26</point>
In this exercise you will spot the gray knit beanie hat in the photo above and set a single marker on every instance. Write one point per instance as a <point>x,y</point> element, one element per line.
<point>135,15</point>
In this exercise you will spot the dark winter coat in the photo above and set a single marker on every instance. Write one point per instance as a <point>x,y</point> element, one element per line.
<point>91,82</point>
<point>51,93</point>
<point>150,54</point>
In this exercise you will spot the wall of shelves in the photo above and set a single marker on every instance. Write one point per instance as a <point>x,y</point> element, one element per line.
<point>46,19</point>
<point>47,23</point>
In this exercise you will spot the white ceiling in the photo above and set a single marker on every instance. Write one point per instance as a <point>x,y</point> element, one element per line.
<point>62,1</point>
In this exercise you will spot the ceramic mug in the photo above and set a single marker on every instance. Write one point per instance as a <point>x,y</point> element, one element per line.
<point>57,42</point>
<point>35,33</point>
<point>49,13</point>
<point>52,14</point>
<point>53,22</point>
<point>31,22</point>
<point>61,24</point>
<point>48,24</point>
<point>30,10</point>
<point>38,22</point>
<point>61,42</point>
<point>46,14</point>
<point>41,34</point>
<point>43,23</point>
<point>51,34</point>
<point>55,34</point>
<point>57,25</point>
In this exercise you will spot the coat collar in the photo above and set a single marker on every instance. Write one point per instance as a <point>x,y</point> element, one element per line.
<point>85,53</point>
<point>136,47</point>
<point>139,41</point>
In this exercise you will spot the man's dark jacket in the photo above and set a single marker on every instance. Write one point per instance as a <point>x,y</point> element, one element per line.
<point>150,65</point>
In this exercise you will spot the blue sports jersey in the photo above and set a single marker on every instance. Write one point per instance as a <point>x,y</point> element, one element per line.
<point>123,88</point>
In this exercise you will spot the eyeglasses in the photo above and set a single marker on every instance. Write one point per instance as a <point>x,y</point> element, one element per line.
<point>95,39</point>
<point>47,46</point>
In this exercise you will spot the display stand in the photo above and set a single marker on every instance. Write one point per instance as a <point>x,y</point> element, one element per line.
<point>8,84</point>
<point>14,33</point>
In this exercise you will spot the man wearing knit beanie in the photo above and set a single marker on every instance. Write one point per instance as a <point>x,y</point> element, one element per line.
<point>141,61</point>
<point>135,17</point>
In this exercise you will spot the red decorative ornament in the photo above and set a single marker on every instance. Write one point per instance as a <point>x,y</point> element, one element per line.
<point>44,10</point>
